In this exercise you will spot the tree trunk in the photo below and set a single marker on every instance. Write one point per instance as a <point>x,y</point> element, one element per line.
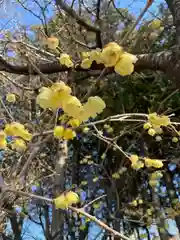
<point>57,214</point>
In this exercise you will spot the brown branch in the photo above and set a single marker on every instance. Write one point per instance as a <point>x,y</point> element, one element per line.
<point>153,61</point>
<point>74,15</point>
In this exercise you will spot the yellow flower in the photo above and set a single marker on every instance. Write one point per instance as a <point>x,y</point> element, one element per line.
<point>175,139</point>
<point>134,203</point>
<point>85,130</point>
<point>58,132</point>
<point>72,198</point>
<point>153,163</point>
<point>153,183</point>
<point>11,98</point>
<point>17,130</point>
<point>60,202</point>
<point>140,201</point>
<point>66,200</point>
<point>69,134</point>
<point>61,87</point>
<point>155,24</point>
<point>85,55</point>
<point>111,54</point>
<point>125,65</point>
<point>3,143</point>
<point>43,99</point>
<point>147,125</point>
<point>86,63</point>
<point>158,121</point>
<point>66,60</point>
<point>134,158</point>
<point>156,175</point>
<point>91,108</point>
<point>138,165</point>
<point>95,179</point>
<point>73,107</point>
<point>74,122</point>
<point>151,132</point>
<point>116,175</point>
<point>19,145</point>
<point>95,55</point>
<point>52,43</point>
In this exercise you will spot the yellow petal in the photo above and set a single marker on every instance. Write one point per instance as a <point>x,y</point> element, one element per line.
<point>111,54</point>
<point>69,134</point>
<point>125,64</point>
<point>58,132</point>
<point>66,60</point>
<point>86,63</point>
<point>71,198</point>
<point>61,202</point>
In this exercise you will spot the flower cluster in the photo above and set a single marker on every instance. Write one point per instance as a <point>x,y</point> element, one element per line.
<point>137,163</point>
<point>112,55</point>
<point>20,134</point>
<point>156,163</point>
<point>66,199</point>
<point>59,96</point>
<point>64,133</point>
<point>155,123</point>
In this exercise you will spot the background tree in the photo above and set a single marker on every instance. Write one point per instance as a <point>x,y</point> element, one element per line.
<point>97,164</point>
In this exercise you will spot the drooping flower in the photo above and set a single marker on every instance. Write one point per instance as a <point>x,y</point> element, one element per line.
<point>125,65</point>
<point>111,54</point>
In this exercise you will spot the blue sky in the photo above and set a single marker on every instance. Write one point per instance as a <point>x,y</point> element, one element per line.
<point>16,14</point>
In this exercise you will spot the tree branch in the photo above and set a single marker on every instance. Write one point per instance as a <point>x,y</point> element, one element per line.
<point>152,61</point>
<point>74,15</point>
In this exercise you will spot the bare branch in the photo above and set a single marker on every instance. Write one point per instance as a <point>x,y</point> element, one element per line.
<point>73,14</point>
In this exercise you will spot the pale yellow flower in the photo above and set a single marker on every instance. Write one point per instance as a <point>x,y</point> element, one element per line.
<point>11,98</point>
<point>125,65</point>
<point>111,54</point>
<point>86,63</point>
<point>66,60</point>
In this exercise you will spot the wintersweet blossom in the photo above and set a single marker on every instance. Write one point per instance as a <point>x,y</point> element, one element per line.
<point>66,199</point>
<point>125,65</point>
<point>11,97</point>
<point>111,54</point>
<point>18,130</point>
<point>156,163</point>
<point>66,60</point>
